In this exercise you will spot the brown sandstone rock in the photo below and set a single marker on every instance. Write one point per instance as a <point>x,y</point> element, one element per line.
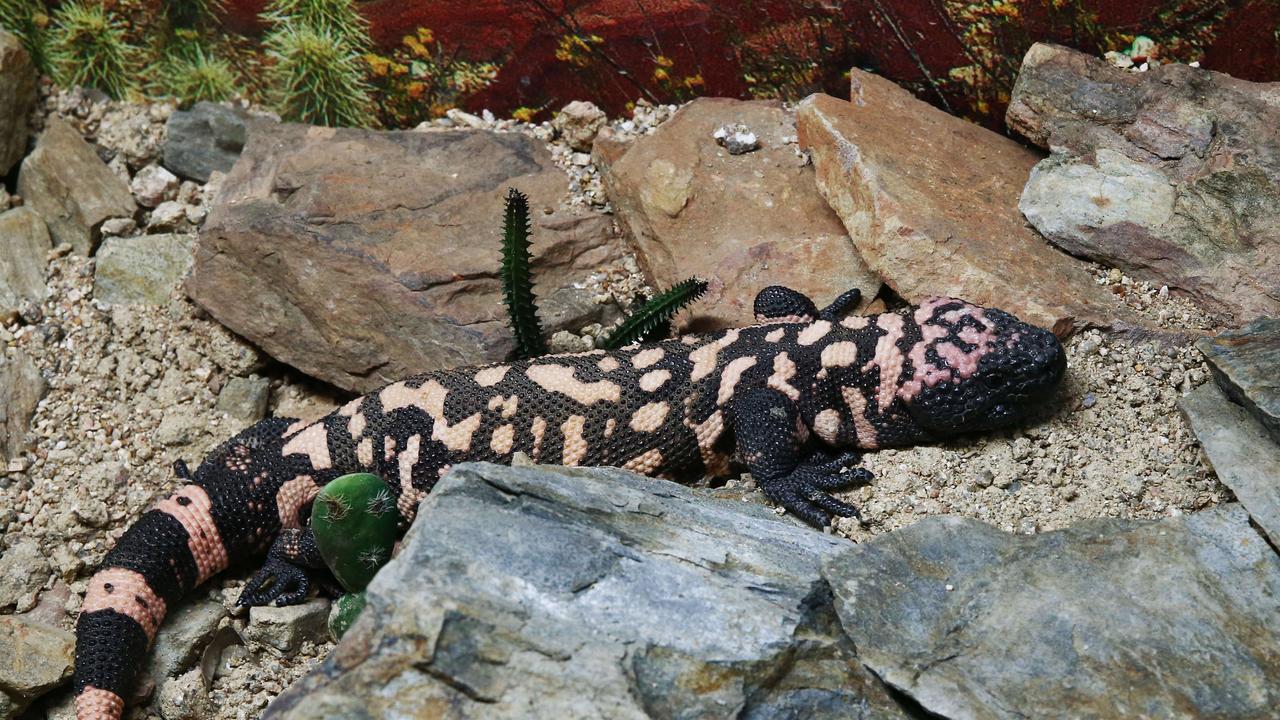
<point>65,181</point>
<point>361,257</point>
<point>742,222</point>
<point>931,202</point>
<point>1172,175</point>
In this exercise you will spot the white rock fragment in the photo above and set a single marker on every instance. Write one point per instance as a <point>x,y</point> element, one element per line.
<point>736,138</point>
<point>153,185</point>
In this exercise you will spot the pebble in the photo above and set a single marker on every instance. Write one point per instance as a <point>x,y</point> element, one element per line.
<point>736,138</point>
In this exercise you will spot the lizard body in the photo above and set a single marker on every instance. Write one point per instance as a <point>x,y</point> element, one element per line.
<point>792,398</point>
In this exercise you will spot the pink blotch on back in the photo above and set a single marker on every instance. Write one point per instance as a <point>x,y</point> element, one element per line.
<point>196,517</point>
<point>130,595</point>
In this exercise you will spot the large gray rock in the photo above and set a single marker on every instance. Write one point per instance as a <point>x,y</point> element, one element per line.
<point>142,270</point>
<point>1246,364</point>
<point>24,568</point>
<point>1244,456</point>
<point>930,201</point>
<point>545,592</point>
<point>689,207</point>
<point>1109,618</point>
<point>361,257</point>
<point>1171,174</point>
<point>34,659</point>
<point>24,255</point>
<point>21,389</point>
<point>202,140</point>
<point>183,638</point>
<point>17,98</point>
<point>65,181</point>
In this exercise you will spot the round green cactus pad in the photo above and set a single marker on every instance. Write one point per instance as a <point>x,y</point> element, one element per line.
<point>356,524</point>
<point>345,611</point>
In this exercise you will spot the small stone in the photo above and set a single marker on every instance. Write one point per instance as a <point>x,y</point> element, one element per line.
<point>91,512</point>
<point>182,639</point>
<point>168,215</point>
<point>153,185</point>
<point>185,698</point>
<point>1089,401</point>
<point>141,270</point>
<point>286,628</point>
<point>24,569</point>
<point>578,123</point>
<point>466,119</point>
<point>204,140</point>
<point>175,429</point>
<point>985,478</point>
<point>118,226</point>
<point>736,138</point>
<point>245,399</point>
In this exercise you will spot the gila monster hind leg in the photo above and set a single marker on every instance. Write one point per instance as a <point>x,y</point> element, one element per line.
<point>777,302</point>
<point>767,428</point>
<point>286,578</point>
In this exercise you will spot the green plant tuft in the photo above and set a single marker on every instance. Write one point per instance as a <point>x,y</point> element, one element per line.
<point>340,17</point>
<point>87,47</point>
<point>192,74</point>
<point>29,22</point>
<point>517,285</point>
<point>317,77</point>
<point>356,524</point>
<point>654,317</point>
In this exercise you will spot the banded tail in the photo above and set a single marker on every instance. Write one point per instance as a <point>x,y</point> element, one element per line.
<point>229,510</point>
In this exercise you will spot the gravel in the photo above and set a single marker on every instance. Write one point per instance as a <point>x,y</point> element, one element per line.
<point>132,389</point>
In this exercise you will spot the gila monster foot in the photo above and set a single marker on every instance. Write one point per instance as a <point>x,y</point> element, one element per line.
<point>279,582</point>
<point>805,493</point>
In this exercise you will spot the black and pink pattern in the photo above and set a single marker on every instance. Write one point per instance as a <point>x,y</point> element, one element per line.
<point>793,399</point>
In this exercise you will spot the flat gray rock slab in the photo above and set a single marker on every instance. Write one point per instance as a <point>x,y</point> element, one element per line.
<point>1243,455</point>
<point>584,593</point>
<point>1110,618</point>
<point>1246,364</point>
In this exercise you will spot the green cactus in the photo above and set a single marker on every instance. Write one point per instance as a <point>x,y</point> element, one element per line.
<point>356,525</point>
<point>88,47</point>
<point>650,321</point>
<point>345,611</point>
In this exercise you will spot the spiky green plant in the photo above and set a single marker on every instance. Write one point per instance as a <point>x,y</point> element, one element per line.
<point>517,282</point>
<point>317,78</point>
<point>340,16</point>
<point>29,22</point>
<point>356,524</point>
<point>87,47</point>
<point>192,74</point>
<point>191,13</point>
<point>650,320</point>
<point>654,317</point>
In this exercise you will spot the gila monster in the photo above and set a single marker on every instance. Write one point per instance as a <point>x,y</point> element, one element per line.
<point>792,398</point>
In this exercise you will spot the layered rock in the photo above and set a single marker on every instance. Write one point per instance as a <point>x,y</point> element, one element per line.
<point>544,592</point>
<point>1245,363</point>
<point>931,202</point>
<point>361,257</point>
<point>24,250</point>
<point>65,181</point>
<point>744,222</point>
<point>17,98</point>
<point>1245,458</point>
<point>1172,175</point>
<point>21,388</point>
<point>1109,618</point>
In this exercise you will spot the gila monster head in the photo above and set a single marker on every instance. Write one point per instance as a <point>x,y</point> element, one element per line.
<point>976,368</point>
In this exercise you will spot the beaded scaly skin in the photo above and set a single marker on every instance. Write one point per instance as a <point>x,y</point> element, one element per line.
<point>793,399</point>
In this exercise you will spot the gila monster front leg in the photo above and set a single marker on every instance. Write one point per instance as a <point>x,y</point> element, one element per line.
<point>771,441</point>
<point>286,577</point>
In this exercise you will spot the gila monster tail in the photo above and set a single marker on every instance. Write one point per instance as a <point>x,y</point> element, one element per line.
<point>174,547</point>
